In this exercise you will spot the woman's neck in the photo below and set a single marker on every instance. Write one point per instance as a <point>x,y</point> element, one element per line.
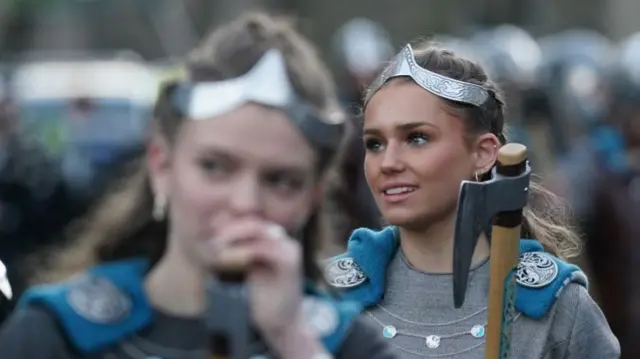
<point>175,286</point>
<point>431,249</point>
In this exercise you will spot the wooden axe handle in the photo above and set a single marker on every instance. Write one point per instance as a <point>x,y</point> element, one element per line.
<point>505,244</point>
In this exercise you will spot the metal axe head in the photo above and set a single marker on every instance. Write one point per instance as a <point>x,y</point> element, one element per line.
<point>478,204</point>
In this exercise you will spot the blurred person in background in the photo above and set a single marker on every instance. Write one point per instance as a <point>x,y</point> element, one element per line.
<point>361,47</point>
<point>35,203</point>
<point>512,58</point>
<point>233,176</point>
<point>602,181</point>
<point>574,75</point>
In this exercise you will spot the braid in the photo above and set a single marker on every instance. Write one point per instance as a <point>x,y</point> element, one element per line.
<point>544,215</point>
<point>495,110</point>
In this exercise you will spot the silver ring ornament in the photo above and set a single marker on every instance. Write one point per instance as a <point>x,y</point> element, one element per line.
<point>344,273</point>
<point>536,270</point>
<point>98,300</point>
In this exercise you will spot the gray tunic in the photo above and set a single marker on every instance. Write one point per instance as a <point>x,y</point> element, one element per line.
<point>419,304</point>
<point>33,333</point>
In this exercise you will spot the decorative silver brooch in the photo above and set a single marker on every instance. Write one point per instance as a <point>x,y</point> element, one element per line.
<point>344,273</point>
<point>536,270</point>
<point>98,300</point>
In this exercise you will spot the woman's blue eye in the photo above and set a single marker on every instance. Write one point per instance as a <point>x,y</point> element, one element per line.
<point>213,167</point>
<point>285,182</point>
<point>418,139</point>
<point>372,145</point>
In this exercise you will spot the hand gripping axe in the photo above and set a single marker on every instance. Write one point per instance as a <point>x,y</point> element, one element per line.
<point>498,202</point>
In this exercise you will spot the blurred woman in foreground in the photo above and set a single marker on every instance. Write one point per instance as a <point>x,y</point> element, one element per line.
<point>233,177</point>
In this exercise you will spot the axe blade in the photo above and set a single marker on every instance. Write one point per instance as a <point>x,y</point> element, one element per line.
<point>471,220</point>
<point>478,204</point>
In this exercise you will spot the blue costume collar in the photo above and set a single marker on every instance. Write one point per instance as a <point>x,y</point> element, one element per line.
<point>108,303</point>
<point>371,252</point>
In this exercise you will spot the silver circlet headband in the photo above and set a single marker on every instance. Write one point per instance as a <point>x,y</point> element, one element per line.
<point>266,83</point>
<point>439,85</point>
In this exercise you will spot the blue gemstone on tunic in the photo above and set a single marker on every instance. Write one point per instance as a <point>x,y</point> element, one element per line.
<point>389,331</point>
<point>478,331</point>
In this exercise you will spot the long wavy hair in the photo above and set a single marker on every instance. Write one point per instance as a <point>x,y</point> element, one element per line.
<point>547,216</point>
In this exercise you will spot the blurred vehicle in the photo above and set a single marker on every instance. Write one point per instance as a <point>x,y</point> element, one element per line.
<point>86,112</point>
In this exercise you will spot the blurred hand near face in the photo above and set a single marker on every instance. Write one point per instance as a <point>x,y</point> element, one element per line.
<point>272,262</point>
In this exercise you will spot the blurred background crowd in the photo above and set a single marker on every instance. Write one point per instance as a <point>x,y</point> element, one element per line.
<point>78,79</point>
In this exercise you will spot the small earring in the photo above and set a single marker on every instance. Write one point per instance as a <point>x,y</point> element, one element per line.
<point>159,207</point>
<point>477,177</point>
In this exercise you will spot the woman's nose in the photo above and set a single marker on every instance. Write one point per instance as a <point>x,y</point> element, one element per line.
<point>245,196</point>
<point>392,159</point>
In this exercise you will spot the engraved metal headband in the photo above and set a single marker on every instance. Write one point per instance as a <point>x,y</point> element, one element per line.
<point>439,85</point>
<point>266,83</point>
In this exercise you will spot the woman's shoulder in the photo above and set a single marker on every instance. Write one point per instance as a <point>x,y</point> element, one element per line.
<point>541,278</point>
<point>95,308</point>
<point>580,323</point>
<point>573,299</point>
<point>368,251</point>
<point>32,332</point>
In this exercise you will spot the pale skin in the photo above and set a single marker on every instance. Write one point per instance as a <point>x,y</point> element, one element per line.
<point>413,140</point>
<point>236,185</point>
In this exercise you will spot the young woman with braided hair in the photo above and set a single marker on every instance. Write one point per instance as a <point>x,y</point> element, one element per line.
<point>431,120</point>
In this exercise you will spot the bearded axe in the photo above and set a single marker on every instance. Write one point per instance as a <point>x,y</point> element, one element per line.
<point>496,203</point>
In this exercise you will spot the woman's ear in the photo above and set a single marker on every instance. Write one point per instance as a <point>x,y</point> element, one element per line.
<point>158,164</point>
<point>486,152</point>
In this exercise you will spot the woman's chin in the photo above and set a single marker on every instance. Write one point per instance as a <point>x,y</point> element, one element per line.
<point>401,217</point>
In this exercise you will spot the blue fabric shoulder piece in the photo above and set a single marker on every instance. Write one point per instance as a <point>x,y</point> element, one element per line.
<point>99,307</point>
<point>330,318</point>
<point>540,279</point>
<point>361,271</point>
